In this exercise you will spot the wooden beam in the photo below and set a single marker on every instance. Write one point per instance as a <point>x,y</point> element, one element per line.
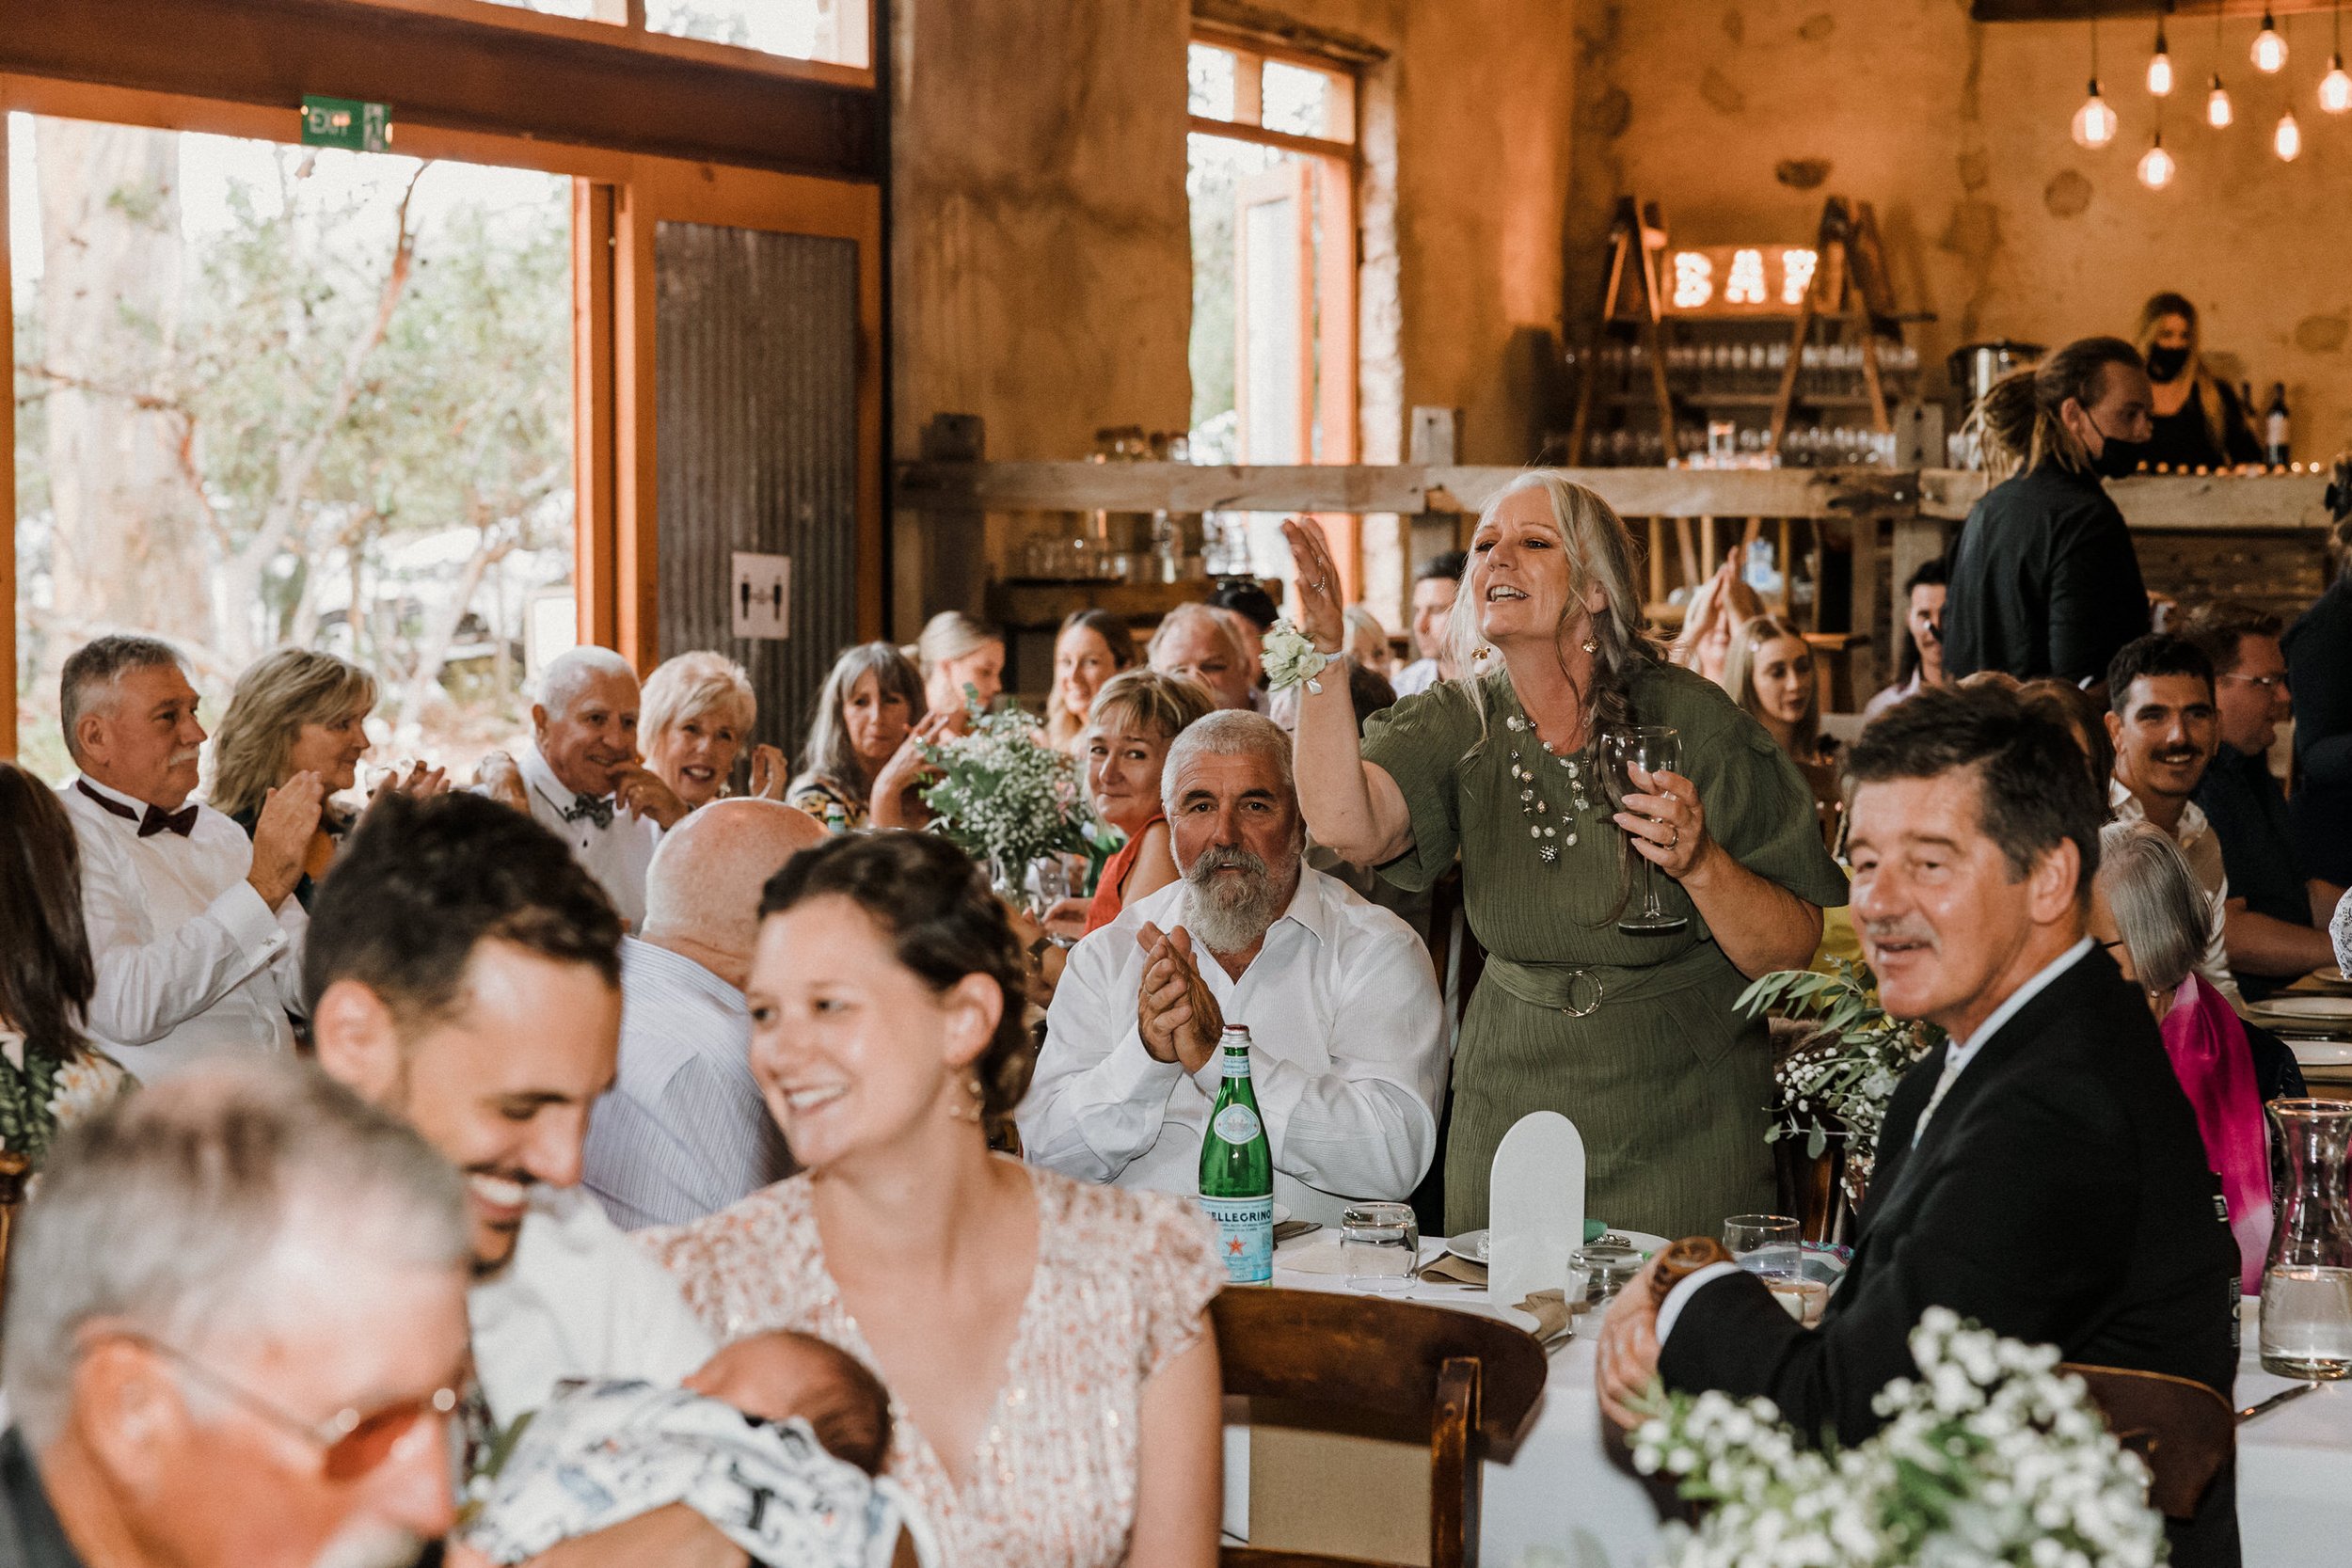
<point>594,515</point>
<point>2168,503</point>
<point>2109,10</point>
<point>582,83</point>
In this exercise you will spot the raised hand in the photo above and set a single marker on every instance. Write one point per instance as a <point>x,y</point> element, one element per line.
<point>498,776</point>
<point>906,768</point>
<point>639,790</point>
<point>1320,616</point>
<point>281,837</point>
<point>1178,1018</point>
<point>770,773</point>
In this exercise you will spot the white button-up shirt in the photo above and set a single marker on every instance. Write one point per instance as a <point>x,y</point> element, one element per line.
<point>616,855</point>
<point>1349,1062</point>
<point>684,1131</point>
<point>191,963</point>
<point>576,1299</point>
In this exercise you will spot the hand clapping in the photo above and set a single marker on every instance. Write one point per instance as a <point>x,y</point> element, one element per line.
<point>281,836</point>
<point>1179,1021</point>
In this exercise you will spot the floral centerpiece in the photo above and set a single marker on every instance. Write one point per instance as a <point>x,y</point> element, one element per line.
<point>1840,1079</point>
<point>1991,1456</point>
<point>1005,797</point>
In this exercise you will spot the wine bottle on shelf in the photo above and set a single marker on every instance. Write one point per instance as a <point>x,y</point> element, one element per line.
<point>1237,1169</point>
<point>2277,427</point>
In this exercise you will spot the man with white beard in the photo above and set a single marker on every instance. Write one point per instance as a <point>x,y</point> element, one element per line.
<point>1342,1005</point>
<point>195,929</point>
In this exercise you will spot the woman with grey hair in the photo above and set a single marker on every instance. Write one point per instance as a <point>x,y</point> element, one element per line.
<point>861,757</point>
<point>2148,910</point>
<point>1631,1033</point>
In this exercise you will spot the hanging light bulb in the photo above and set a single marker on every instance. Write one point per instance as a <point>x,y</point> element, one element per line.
<point>2160,68</point>
<point>2287,139</point>
<point>2094,122</point>
<point>2335,88</point>
<point>2157,165</point>
<point>2217,111</point>
<point>2270,52</point>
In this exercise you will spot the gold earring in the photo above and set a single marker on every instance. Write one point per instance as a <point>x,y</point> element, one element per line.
<point>1590,645</point>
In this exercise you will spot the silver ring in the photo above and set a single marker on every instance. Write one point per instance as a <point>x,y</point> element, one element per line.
<point>1316,585</point>
<point>1676,842</point>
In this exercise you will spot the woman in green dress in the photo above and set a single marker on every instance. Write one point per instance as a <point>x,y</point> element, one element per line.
<point>1632,1037</point>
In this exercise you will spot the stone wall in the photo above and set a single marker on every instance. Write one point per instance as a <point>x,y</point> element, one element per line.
<point>1740,117</point>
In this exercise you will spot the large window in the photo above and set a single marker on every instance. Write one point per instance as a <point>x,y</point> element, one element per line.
<point>268,394</point>
<point>1271,177</point>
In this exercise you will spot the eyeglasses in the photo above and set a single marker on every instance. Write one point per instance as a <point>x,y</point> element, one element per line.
<point>2269,683</point>
<point>352,1442</point>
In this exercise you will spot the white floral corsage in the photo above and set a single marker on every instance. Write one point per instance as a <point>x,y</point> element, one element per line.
<point>1290,659</point>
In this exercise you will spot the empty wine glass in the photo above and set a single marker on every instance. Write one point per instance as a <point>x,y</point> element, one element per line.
<point>1652,748</point>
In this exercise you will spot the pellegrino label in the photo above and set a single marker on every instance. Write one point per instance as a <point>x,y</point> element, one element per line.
<point>1237,1169</point>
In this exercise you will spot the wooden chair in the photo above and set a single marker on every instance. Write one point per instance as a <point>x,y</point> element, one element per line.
<point>1474,1380</point>
<point>2184,1431</point>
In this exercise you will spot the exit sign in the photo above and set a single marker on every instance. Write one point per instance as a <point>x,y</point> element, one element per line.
<point>347,123</point>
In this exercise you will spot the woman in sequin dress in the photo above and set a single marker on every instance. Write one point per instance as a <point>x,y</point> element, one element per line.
<point>1054,1383</point>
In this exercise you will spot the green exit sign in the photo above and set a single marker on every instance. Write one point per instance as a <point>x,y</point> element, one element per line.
<point>348,124</point>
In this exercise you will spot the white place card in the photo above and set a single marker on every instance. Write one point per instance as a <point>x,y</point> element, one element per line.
<point>1535,1207</point>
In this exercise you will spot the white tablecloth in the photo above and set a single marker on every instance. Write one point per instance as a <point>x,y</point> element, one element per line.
<point>1561,1502</point>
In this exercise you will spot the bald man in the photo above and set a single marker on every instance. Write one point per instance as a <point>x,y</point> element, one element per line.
<point>683,1131</point>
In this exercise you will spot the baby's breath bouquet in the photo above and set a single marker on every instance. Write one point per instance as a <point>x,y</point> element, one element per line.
<point>1004,796</point>
<point>1991,1457</point>
<point>1847,1069</point>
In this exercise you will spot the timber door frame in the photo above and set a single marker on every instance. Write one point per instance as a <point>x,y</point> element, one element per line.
<point>618,198</point>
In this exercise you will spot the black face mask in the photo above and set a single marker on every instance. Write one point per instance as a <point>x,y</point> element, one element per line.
<point>2166,364</point>
<point>2119,458</point>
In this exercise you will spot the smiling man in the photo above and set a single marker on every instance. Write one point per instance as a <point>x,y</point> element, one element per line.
<point>2164,724</point>
<point>196,931</point>
<point>1196,643</point>
<point>2040,1169</point>
<point>585,779</point>
<point>1338,993</point>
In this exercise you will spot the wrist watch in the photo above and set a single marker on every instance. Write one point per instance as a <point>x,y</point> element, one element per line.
<point>1681,1261</point>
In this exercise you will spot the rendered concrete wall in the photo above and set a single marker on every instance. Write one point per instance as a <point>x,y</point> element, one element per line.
<point>1740,117</point>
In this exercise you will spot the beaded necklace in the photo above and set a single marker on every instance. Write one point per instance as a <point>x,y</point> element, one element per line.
<point>1542,826</point>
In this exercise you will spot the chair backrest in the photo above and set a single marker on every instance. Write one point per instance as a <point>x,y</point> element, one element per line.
<point>2184,1431</point>
<point>1474,1380</point>
<point>15,1174</point>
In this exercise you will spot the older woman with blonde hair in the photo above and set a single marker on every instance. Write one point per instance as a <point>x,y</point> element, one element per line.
<point>960,660</point>
<point>697,711</point>
<point>1137,716</point>
<point>1629,1032</point>
<point>300,711</point>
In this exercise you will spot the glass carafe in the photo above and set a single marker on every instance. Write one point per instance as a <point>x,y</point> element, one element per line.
<point>2307,1282</point>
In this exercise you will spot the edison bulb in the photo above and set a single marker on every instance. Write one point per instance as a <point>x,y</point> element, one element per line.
<point>2217,111</point>
<point>2156,166</point>
<point>2335,88</point>
<point>2270,52</point>
<point>2287,140</point>
<point>2094,122</point>
<point>2160,70</point>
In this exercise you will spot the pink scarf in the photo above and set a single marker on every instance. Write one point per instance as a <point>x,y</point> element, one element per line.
<point>2215,1068</point>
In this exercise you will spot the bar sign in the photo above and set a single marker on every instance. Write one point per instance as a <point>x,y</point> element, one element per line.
<point>348,124</point>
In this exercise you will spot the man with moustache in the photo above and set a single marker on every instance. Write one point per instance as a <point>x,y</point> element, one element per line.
<point>2164,725</point>
<point>1349,1055</point>
<point>195,929</point>
<point>2040,1170</point>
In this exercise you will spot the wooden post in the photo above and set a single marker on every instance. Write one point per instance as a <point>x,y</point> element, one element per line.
<point>1692,575</point>
<point>955,542</point>
<point>595,590</point>
<point>1656,560</point>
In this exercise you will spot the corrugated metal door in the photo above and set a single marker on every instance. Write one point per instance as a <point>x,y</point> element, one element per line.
<point>755,448</point>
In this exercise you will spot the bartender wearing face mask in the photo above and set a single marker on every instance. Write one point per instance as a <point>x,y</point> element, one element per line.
<point>2200,423</point>
<point>2043,578</point>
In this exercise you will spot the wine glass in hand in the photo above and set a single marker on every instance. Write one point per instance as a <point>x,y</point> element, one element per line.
<point>1631,758</point>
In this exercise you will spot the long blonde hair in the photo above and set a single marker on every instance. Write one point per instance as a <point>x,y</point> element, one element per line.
<point>950,635</point>
<point>278,694</point>
<point>2203,391</point>
<point>1739,680</point>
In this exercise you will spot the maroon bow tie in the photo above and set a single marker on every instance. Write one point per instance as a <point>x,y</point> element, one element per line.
<point>157,820</point>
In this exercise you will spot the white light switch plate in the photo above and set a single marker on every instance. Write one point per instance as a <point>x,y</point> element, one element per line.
<point>761,594</point>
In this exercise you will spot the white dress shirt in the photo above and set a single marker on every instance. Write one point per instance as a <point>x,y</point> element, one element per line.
<point>1415,678</point>
<point>1349,1062</point>
<point>1956,1055</point>
<point>683,1133</point>
<point>578,1299</point>
<point>616,855</point>
<point>191,963</point>
<point>2201,847</point>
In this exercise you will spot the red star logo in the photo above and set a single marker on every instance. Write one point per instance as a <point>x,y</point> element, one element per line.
<point>1233,1247</point>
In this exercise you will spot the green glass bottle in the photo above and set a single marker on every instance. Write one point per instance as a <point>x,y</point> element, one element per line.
<point>1237,1169</point>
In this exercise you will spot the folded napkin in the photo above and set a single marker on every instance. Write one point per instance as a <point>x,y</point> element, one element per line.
<point>1550,1308</point>
<point>1456,1271</point>
<point>1321,1255</point>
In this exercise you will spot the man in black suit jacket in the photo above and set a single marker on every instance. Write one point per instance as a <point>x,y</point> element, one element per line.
<point>2041,1172</point>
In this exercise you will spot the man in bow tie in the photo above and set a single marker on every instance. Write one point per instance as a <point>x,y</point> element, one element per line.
<point>583,779</point>
<point>2040,1170</point>
<point>195,929</point>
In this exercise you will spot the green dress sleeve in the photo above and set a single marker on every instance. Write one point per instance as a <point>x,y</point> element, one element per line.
<point>1420,743</point>
<point>1758,805</point>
